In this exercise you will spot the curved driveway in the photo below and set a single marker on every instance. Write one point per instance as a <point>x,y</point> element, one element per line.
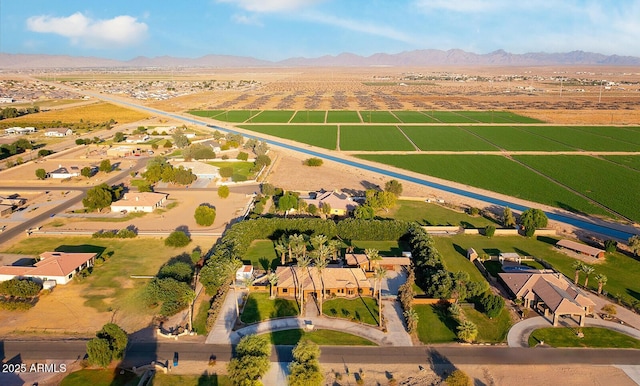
<point>583,223</point>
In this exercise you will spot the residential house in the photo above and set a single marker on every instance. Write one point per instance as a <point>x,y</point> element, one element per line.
<point>20,130</point>
<point>6,209</point>
<point>58,266</point>
<point>123,151</point>
<point>137,138</point>
<point>58,132</point>
<point>139,202</point>
<point>202,170</point>
<point>341,204</point>
<point>342,282</point>
<point>581,249</point>
<point>63,172</point>
<point>361,260</point>
<point>550,292</point>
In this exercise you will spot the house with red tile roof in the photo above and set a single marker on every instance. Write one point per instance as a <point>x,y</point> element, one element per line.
<point>58,266</point>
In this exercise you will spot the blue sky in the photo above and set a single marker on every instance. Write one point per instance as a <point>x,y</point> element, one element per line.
<point>280,29</point>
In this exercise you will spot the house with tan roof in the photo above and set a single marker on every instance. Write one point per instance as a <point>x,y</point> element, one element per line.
<point>342,282</point>
<point>58,132</point>
<point>361,260</point>
<point>550,292</point>
<point>140,202</point>
<point>341,204</point>
<point>58,266</point>
<point>137,138</point>
<point>581,249</point>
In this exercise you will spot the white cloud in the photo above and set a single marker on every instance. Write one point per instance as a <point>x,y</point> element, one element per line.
<point>120,31</point>
<point>247,20</point>
<point>270,5</point>
<point>463,6</point>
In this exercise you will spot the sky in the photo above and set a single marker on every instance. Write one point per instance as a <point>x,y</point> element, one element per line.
<point>280,29</point>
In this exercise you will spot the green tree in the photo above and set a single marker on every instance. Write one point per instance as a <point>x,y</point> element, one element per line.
<point>364,212</point>
<point>205,215</point>
<point>508,221</point>
<point>177,239</point>
<point>577,266</point>
<point>116,337</point>
<point>492,304</point>
<point>314,161</point>
<point>98,197</point>
<point>489,231</point>
<point>41,174</point>
<point>86,172</point>
<point>393,186</point>
<point>287,202</point>
<point>312,209</point>
<point>610,245</point>
<point>532,219</point>
<point>305,368</point>
<point>226,171</point>
<point>412,319</point>
<point>588,270</point>
<point>180,139</point>
<point>118,137</point>
<point>167,144</point>
<point>99,353</point>
<point>223,191</point>
<point>268,189</point>
<point>180,271</point>
<point>634,244</point>
<point>467,331</point>
<point>458,378</point>
<point>242,156</point>
<point>602,280</point>
<point>251,361</point>
<point>105,166</point>
<point>262,160</point>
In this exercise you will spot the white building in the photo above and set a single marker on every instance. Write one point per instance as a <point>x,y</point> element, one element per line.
<point>140,202</point>
<point>58,132</point>
<point>58,266</point>
<point>62,172</point>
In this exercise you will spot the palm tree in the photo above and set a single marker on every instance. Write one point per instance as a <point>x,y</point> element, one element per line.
<point>602,280</point>
<point>281,249</point>
<point>577,265</point>
<point>333,249</point>
<point>294,240</point>
<point>467,331</point>
<point>317,241</point>
<point>378,275</point>
<point>321,262</point>
<point>302,263</point>
<point>588,270</point>
<point>411,317</point>
<point>372,254</point>
<point>273,280</point>
<point>299,251</point>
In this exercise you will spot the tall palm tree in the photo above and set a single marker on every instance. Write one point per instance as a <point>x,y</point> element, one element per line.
<point>588,270</point>
<point>302,263</point>
<point>273,281</point>
<point>281,249</point>
<point>295,239</point>
<point>372,255</point>
<point>602,280</point>
<point>333,249</point>
<point>320,261</point>
<point>467,331</point>
<point>299,251</point>
<point>577,265</point>
<point>378,275</point>
<point>317,241</point>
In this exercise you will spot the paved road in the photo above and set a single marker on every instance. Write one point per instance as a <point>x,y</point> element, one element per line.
<point>592,225</point>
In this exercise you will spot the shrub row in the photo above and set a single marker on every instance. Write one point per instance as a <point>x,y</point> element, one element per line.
<point>113,234</point>
<point>216,305</point>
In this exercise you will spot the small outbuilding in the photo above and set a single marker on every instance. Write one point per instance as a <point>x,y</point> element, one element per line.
<point>581,249</point>
<point>243,273</point>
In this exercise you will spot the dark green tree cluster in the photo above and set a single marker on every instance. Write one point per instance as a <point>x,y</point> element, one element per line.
<point>124,233</point>
<point>110,343</point>
<point>101,196</point>
<point>178,270</point>
<point>251,361</point>
<point>12,112</point>
<point>177,239</point>
<point>205,215</point>
<point>492,305</point>
<point>305,368</point>
<point>105,166</point>
<point>431,274</point>
<point>258,147</point>
<point>17,147</point>
<point>393,186</point>
<point>179,139</point>
<point>88,141</point>
<point>532,219</point>
<point>242,156</point>
<point>20,288</point>
<point>170,294</point>
<point>378,199</point>
<point>198,151</point>
<point>287,201</point>
<point>158,169</point>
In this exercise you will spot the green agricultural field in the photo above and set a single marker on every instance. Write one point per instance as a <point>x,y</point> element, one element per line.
<point>413,117</point>
<point>207,113</point>
<point>450,117</point>
<point>435,324</point>
<point>315,135</point>
<point>309,116</point>
<point>320,337</point>
<point>631,161</point>
<point>497,117</point>
<point>364,310</point>
<point>339,116</point>
<point>431,214</point>
<point>373,138</point>
<point>515,138</point>
<point>262,255</point>
<point>237,116</point>
<point>605,182</point>
<point>452,138</point>
<point>622,271</point>
<point>378,117</point>
<point>494,173</point>
<point>273,116</point>
<point>593,337</point>
<point>260,307</point>
<point>109,286</point>
<point>625,134</point>
<point>581,139</point>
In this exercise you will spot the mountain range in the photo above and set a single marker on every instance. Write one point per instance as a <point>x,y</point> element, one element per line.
<point>416,58</point>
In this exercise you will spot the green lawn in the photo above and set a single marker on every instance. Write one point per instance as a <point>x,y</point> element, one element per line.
<point>109,287</point>
<point>321,337</point>
<point>432,214</point>
<point>200,318</point>
<point>324,136</point>
<point>494,173</point>
<point>622,271</point>
<point>259,307</point>
<point>489,330</point>
<point>386,248</point>
<point>593,337</point>
<point>190,380</point>
<point>262,255</point>
<point>239,167</point>
<point>103,377</point>
<point>371,137</point>
<point>435,325</point>
<point>454,258</point>
<point>361,309</point>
